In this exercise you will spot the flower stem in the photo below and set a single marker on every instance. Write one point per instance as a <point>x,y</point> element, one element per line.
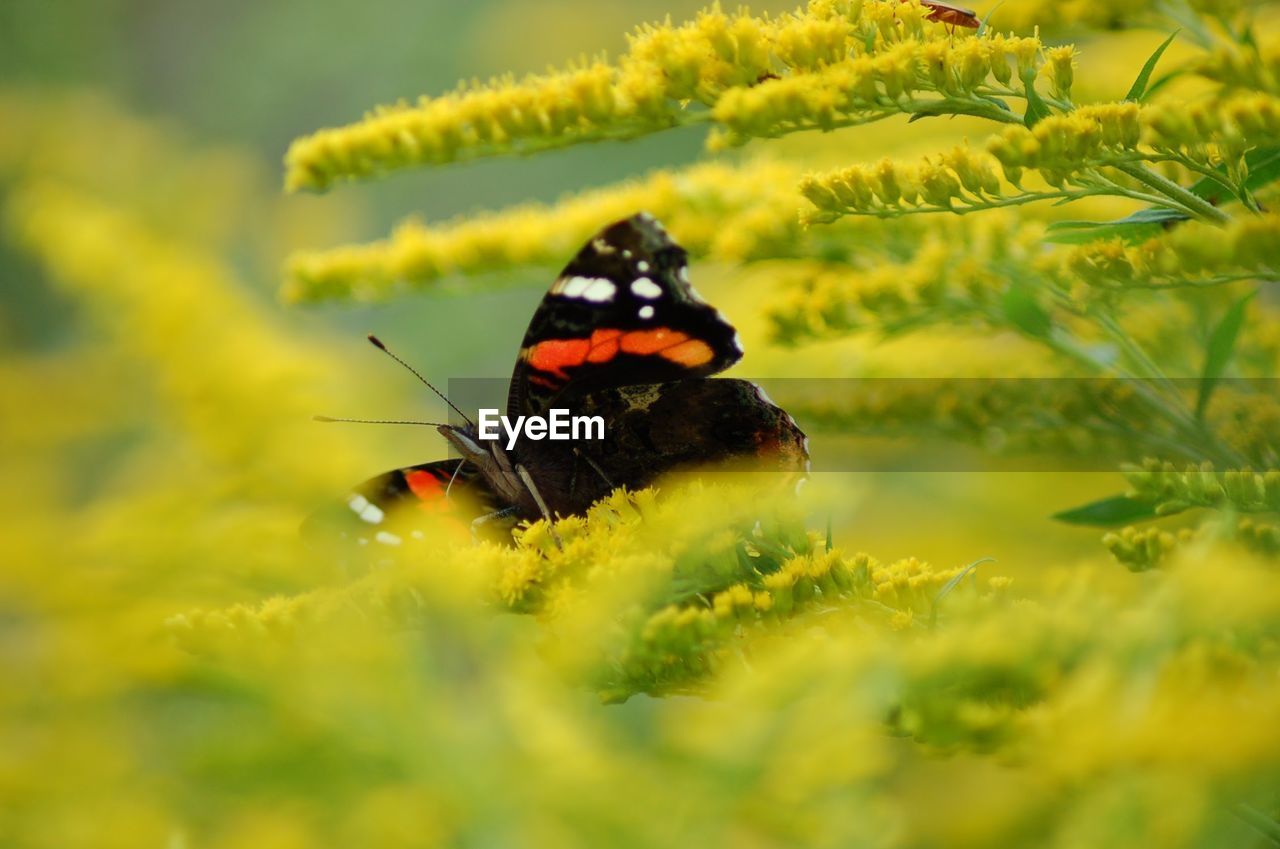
<point>1197,206</point>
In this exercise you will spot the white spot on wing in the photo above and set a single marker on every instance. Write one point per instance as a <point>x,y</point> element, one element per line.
<point>372,514</point>
<point>643,287</point>
<point>603,247</point>
<point>642,266</point>
<point>646,311</point>
<point>572,286</point>
<point>599,291</point>
<point>683,274</point>
<point>588,288</point>
<point>368,512</point>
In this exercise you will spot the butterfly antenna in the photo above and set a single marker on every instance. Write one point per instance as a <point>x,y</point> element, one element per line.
<point>329,419</point>
<point>377,343</point>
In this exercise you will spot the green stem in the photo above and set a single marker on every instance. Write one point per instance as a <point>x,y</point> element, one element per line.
<point>1108,189</point>
<point>1197,206</point>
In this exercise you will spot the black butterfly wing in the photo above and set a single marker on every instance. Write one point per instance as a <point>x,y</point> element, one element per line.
<point>621,313</point>
<point>655,429</point>
<point>405,505</point>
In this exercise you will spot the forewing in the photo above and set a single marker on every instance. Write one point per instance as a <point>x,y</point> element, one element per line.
<point>621,313</point>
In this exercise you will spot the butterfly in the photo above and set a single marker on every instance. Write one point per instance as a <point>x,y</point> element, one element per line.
<point>621,336</point>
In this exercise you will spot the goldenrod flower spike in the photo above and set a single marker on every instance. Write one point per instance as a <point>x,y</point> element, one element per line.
<point>958,180</point>
<point>713,567</point>
<point>1193,255</point>
<point>1236,66</point>
<point>1172,491</point>
<point>1102,149</point>
<point>731,213</point>
<point>1142,549</point>
<point>834,63</point>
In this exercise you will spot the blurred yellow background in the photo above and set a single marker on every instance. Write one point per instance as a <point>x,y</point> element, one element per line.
<point>180,670</point>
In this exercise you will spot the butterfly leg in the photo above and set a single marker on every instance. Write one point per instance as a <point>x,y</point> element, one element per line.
<point>481,521</point>
<point>527,479</point>
<point>596,466</point>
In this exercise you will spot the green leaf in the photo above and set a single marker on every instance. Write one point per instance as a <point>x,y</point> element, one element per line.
<point>1108,512</point>
<point>1262,164</point>
<point>1138,90</point>
<point>1138,227</point>
<point>1222,343</point>
<point>1024,312</point>
<point>1037,109</point>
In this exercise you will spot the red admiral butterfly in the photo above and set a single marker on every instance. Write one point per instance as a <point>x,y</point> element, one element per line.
<point>620,335</point>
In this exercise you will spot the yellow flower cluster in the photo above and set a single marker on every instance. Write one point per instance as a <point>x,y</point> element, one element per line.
<point>954,181</point>
<point>1141,549</point>
<point>1232,125</point>
<point>957,272</point>
<point>1060,145</point>
<point>1263,537</point>
<point>1234,66</point>
<point>1110,133</point>
<point>1193,254</point>
<point>891,80</point>
<point>1004,683</point>
<point>209,347</point>
<point>727,212</point>
<point>707,580</point>
<point>1172,491</point>
<point>1065,151</point>
<point>757,75</point>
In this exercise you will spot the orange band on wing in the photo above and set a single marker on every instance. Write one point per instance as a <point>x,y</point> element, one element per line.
<point>553,356</point>
<point>669,344</point>
<point>425,485</point>
<point>604,345</point>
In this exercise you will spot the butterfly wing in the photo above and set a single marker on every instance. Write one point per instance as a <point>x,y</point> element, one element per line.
<point>655,429</point>
<point>408,504</point>
<point>621,313</point>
